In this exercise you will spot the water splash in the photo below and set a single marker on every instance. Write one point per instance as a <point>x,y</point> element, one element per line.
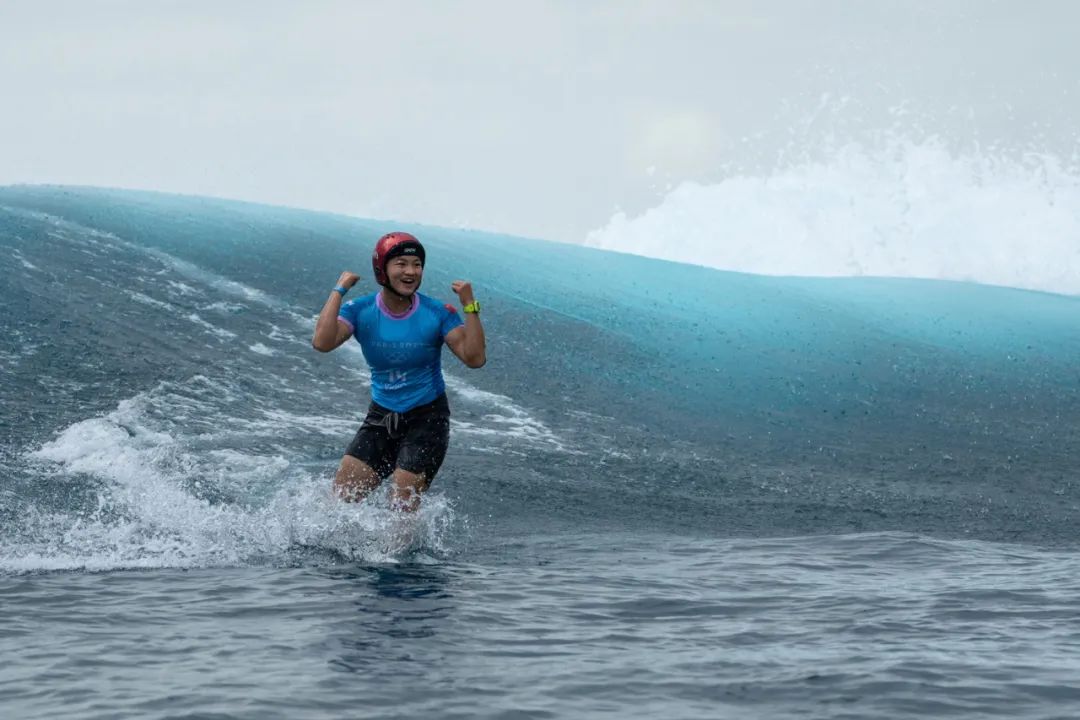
<point>891,207</point>
<point>161,491</point>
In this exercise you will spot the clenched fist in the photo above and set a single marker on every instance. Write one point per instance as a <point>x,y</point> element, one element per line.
<point>348,279</point>
<point>463,290</point>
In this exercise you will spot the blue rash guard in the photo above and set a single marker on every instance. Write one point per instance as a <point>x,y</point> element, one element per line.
<point>404,352</point>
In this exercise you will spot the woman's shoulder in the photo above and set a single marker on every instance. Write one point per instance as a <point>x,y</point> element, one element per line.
<point>438,307</point>
<point>361,302</point>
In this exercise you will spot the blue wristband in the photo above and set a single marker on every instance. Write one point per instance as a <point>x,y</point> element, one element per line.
<point>341,290</point>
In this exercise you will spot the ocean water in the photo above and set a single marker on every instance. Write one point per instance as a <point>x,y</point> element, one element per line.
<point>674,491</point>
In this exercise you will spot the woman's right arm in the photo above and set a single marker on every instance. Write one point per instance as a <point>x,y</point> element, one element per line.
<point>330,332</point>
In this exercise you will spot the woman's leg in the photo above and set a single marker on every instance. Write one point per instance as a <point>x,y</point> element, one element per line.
<point>354,479</point>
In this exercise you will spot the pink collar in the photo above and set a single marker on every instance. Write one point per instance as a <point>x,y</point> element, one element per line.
<point>386,311</point>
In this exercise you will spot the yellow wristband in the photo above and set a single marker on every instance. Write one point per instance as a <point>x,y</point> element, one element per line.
<point>473,307</point>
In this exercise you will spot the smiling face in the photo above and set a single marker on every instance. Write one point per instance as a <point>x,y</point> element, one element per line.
<point>404,274</point>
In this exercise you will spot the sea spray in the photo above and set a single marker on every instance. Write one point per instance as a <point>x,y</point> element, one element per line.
<point>892,207</point>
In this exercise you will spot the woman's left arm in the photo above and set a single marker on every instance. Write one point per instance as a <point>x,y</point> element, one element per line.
<point>467,341</point>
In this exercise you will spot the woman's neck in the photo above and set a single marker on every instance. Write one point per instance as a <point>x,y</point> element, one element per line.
<point>395,303</point>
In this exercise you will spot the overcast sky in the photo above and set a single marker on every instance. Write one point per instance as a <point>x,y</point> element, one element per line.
<point>535,118</point>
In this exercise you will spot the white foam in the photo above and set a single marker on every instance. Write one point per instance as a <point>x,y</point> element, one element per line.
<point>898,208</point>
<point>302,337</point>
<point>260,349</point>
<point>150,512</point>
<point>194,272</point>
<point>276,333</point>
<point>24,262</point>
<point>147,300</point>
<point>504,419</point>
<point>210,327</point>
<point>183,288</point>
<point>225,307</point>
<point>321,424</point>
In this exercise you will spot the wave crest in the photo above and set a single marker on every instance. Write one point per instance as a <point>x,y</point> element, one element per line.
<point>894,208</point>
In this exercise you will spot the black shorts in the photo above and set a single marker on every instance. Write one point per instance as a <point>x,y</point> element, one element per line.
<point>415,440</point>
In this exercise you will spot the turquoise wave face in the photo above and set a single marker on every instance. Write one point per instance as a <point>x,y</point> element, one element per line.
<point>619,390</point>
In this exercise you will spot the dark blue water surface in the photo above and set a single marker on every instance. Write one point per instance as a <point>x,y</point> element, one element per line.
<point>672,492</point>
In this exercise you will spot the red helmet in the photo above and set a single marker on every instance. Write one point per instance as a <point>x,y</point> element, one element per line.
<point>392,245</point>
